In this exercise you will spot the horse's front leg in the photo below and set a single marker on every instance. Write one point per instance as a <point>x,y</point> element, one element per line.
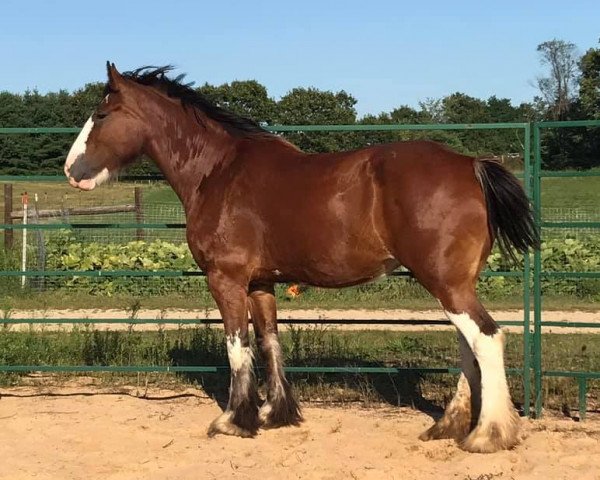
<point>280,407</point>
<point>241,416</point>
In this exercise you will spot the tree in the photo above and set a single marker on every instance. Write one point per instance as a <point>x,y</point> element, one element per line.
<point>589,83</point>
<point>247,98</point>
<point>400,115</point>
<point>558,88</point>
<point>84,101</point>
<point>462,108</point>
<point>405,114</point>
<point>311,106</point>
<point>589,103</point>
<point>432,110</point>
<point>11,146</point>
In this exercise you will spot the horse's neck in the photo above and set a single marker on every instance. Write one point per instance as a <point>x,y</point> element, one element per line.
<point>187,153</point>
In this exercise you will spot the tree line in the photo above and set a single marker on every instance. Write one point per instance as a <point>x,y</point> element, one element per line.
<point>569,91</point>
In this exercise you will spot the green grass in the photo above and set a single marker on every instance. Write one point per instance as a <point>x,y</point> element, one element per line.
<point>574,192</point>
<point>79,300</point>
<point>305,347</point>
<point>58,194</point>
<point>161,194</point>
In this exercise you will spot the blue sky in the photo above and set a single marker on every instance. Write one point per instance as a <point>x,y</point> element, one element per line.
<point>386,53</point>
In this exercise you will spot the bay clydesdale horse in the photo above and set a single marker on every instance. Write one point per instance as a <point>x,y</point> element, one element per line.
<point>260,211</point>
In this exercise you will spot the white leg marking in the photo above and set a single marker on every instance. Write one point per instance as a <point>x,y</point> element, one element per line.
<point>489,352</point>
<point>239,357</point>
<point>497,416</point>
<point>242,376</point>
<point>466,325</point>
<point>276,356</point>
<point>276,389</point>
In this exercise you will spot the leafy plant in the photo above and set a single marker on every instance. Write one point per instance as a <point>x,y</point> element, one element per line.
<point>66,252</point>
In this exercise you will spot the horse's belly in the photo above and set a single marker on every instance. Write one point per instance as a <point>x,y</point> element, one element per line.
<point>335,275</point>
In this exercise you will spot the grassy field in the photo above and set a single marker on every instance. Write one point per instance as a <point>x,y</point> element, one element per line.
<point>60,194</point>
<point>575,192</point>
<point>315,346</point>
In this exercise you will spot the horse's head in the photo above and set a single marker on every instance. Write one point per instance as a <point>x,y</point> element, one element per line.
<point>110,139</point>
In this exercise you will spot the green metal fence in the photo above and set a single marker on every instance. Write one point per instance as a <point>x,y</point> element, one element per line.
<point>539,273</point>
<point>532,348</point>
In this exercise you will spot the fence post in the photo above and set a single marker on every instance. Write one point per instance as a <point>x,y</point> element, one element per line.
<point>8,206</point>
<point>139,211</point>
<point>537,273</point>
<point>527,282</point>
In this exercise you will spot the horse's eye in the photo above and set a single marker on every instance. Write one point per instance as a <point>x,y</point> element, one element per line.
<point>101,115</point>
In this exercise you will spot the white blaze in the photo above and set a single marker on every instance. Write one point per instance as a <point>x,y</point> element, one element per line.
<point>78,147</point>
<point>77,153</point>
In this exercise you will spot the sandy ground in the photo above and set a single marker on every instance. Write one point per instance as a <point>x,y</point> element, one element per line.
<point>84,432</point>
<point>382,316</point>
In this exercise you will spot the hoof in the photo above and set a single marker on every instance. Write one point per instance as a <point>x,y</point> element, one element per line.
<point>224,425</point>
<point>281,415</point>
<point>456,423</point>
<point>263,414</point>
<point>493,437</point>
<point>444,428</point>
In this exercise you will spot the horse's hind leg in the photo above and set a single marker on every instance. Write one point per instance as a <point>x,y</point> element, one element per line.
<point>280,407</point>
<point>462,412</point>
<point>497,427</point>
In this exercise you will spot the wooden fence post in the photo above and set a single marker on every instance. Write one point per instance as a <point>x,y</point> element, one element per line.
<point>139,211</point>
<point>8,206</point>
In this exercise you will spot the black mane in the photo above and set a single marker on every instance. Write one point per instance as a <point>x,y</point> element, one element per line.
<point>175,88</point>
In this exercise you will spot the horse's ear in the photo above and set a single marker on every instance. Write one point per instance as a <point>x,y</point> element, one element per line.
<point>115,79</point>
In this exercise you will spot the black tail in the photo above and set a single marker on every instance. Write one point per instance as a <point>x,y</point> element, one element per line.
<point>509,211</point>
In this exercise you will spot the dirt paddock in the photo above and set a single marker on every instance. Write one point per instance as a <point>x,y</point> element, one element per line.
<point>86,432</point>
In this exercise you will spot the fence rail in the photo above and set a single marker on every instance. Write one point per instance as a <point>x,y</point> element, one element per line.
<point>532,332</point>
